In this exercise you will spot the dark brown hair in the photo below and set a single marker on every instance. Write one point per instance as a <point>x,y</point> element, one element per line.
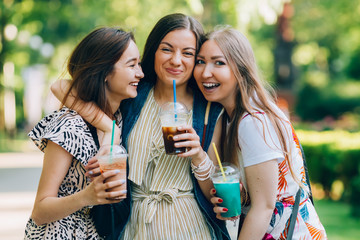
<point>92,61</point>
<point>169,23</point>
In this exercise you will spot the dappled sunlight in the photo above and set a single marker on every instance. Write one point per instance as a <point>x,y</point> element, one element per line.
<point>337,189</point>
<point>317,191</point>
<point>305,54</point>
<point>338,139</point>
<point>317,79</point>
<point>10,32</point>
<point>349,90</point>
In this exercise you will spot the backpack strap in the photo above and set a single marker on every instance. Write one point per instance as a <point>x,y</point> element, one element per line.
<point>294,215</point>
<point>306,174</point>
<point>297,199</point>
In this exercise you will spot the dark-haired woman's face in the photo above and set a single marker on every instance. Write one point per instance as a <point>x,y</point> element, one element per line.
<point>123,80</point>
<point>175,57</point>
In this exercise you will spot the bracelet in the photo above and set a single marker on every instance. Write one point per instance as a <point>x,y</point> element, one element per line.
<point>203,171</point>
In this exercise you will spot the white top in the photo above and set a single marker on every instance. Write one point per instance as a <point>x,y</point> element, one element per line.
<point>258,143</point>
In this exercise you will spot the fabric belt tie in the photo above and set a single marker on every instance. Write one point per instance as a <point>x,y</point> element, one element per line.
<point>149,206</point>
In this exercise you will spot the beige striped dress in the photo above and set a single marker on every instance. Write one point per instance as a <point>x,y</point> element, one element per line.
<point>164,206</point>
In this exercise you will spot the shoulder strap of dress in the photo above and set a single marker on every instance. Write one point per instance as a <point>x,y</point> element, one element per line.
<point>94,134</point>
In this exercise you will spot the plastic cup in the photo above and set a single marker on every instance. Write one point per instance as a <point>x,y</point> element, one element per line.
<point>112,159</point>
<point>173,115</point>
<point>229,190</point>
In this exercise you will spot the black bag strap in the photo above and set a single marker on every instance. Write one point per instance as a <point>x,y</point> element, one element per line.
<point>93,134</point>
<point>294,215</point>
<point>297,199</point>
<point>306,174</point>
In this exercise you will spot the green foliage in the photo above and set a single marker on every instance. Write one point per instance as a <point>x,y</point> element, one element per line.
<point>316,102</point>
<point>331,156</point>
<point>353,69</point>
<point>327,56</point>
<point>19,143</point>
<point>337,220</point>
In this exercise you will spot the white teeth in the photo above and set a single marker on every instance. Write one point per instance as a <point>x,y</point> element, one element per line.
<point>210,85</point>
<point>134,84</point>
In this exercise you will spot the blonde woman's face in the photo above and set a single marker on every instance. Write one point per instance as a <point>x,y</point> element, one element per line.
<point>214,76</point>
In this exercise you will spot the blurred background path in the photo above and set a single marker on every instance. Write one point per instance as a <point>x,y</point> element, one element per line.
<point>19,177</point>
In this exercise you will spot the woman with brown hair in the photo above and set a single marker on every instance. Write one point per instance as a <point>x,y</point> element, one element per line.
<point>168,195</point>
<point>105,69</point>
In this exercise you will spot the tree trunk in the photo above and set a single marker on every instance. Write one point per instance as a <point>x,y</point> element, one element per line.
<point>284,68</point>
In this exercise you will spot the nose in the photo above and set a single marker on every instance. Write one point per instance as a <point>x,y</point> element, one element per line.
<point>139,73</point>
<point>176,58</point>
<point>207,71</point>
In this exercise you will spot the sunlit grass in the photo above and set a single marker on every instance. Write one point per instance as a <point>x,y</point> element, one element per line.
<point>340,139</point>
<point>336,218</point>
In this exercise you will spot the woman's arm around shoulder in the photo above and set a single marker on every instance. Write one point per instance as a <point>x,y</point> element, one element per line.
<point>88,110</point>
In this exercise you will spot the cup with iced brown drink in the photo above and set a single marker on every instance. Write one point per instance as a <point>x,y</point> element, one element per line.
<point>113,157</point>
<point>172,116</point>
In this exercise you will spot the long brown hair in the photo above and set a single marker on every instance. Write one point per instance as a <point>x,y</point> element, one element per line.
<point>239,54</point>
<point>92,61</point>
<point>168,23</point>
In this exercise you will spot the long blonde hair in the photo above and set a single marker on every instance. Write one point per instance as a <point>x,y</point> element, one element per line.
<point>239,54</point>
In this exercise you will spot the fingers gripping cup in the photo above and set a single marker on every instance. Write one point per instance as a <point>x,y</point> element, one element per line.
<point>173,115</point>
<point>228,188</point>
<point>112,157</point>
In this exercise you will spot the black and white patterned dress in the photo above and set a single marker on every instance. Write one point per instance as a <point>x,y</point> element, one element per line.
<point>69,130</point>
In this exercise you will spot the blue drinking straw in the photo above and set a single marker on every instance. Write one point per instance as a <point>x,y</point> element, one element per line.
<point>174,90</point>
<point>112,140</point>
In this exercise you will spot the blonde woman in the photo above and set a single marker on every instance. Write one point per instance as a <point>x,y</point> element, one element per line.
<point>258,138</point>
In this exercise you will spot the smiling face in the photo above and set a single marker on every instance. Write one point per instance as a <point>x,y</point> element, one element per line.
<point>123,80</point>
<point>214,76</point>
<point>175,57</point>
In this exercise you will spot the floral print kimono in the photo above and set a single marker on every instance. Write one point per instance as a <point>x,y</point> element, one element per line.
<point>259,143</point>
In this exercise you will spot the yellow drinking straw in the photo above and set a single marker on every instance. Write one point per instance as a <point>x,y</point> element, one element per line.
<point>218,158</point>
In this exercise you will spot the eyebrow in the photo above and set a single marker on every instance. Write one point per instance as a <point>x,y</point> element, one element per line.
<point>130,60</point>
<point>187,48</point>
<point>213,57</point>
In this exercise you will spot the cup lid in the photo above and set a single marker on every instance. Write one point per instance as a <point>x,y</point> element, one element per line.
<point>229,169</point>
<point>114,149</point>
<point>171,107</point>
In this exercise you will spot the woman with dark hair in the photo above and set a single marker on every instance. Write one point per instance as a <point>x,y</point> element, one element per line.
<point>105,69</point>
<point>168,196</point>
<point>258,138</point>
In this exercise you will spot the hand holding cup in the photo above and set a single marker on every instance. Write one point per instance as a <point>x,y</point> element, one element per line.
<point>227,186</point>
<point>113,157</point>
<point>172,116</point>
